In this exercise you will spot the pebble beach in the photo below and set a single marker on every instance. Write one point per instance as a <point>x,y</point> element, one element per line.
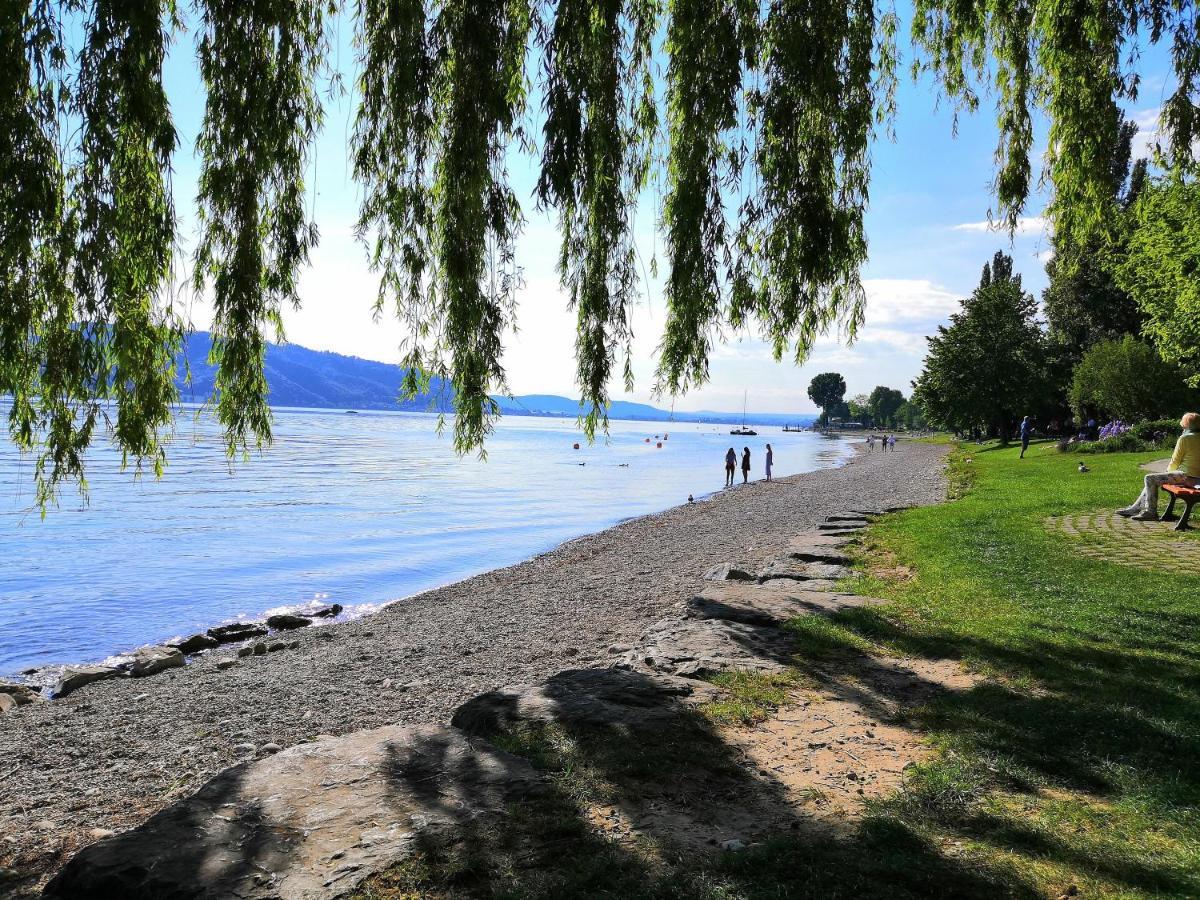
<point>112,753</point>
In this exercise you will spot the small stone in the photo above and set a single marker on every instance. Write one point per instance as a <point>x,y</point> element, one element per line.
<point>275,646</point>
<point>223,664</point>
<point>853,776</point>
<point>152,660</point>
<point>293,645</point>
<point>325,612</point>
<point>7,703</point>
<point>286,622</point>
<point>238,631</point>
<point>260,649</point>
<point>194,644</point>
<point>99,834</point>
<point>387,683</point>
<point>45,825</point>
<point>21,694</point>
<point>733,846</point>
<point>243,748</point>
<point>269,748</point>
<point>245,651</point>
<point>727,572</point>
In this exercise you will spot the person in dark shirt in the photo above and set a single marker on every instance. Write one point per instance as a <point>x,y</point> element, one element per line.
<point>730,466</point>
<point>745,465</point>
<point>770,461</point>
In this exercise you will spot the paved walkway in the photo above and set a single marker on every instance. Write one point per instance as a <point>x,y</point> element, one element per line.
<point>1146,545</point>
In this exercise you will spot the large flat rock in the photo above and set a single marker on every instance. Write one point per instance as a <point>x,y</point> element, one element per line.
<point>800,570</point>
<point>310,822</point>
<point>585,697</point>
<point>772,603</point>
<point>694,648</point>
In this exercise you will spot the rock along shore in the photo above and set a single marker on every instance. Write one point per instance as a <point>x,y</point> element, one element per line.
<point>114,752</point>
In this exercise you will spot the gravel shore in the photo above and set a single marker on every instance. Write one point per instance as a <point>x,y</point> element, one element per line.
<point>116,751</point>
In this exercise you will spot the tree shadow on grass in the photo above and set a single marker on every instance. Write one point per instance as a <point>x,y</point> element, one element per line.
<point>636,800</point>
<point>1090,718</point>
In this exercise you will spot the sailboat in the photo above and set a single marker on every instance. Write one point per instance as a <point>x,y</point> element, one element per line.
<point>748,432</point>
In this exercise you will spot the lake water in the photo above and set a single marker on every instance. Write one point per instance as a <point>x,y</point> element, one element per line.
<point>355,509</point>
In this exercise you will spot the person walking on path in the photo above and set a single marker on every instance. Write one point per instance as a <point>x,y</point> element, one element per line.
<point>892,442</point>
<point>1026,432</point>
<point>870,442</point>
<point>770,461</point>
<point>745,465</point>
<point>730,466</point>
<point>1184,468</point>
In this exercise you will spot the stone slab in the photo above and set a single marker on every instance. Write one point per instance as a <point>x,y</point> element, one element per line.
<point>694,648</point>
<point>75,677</point>
<point>309,823</point>
<point>792,568</point>
<point>770,604</point>
<point>585,697</point>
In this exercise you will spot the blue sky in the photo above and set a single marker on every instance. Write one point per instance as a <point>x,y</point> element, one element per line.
<point>926,226</point>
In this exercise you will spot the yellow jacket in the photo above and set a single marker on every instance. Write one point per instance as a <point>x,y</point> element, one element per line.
<point>1186,458</point>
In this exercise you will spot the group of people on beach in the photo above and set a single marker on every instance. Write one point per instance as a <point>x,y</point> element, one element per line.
<point>731,461</point>
<point>886,442</point>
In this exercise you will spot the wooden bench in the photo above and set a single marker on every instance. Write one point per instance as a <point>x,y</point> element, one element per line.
<point>1189,495</point>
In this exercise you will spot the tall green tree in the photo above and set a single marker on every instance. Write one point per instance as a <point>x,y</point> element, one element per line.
<point>883,403</point>
<point>827,390</point>
<point>1161,270</point>
<point>763,130</point>
<point>986,368</point>
<point>1083,302</point>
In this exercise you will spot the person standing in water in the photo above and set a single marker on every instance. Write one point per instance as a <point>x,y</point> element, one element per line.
<point>730,466</point>
<point>745,465</point>
<point>770,460</point>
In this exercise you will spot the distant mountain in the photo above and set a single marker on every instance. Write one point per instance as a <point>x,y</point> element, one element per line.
<point>298,376</point>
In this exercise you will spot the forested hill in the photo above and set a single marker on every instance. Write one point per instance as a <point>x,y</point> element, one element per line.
<point>299,376</point>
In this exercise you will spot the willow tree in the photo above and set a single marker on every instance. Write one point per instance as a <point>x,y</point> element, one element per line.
<point>759,130</point>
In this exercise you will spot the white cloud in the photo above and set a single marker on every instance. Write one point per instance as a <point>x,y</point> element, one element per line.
<point>1026,225</point>
<point>907,302</point>
<point>1147,121</point>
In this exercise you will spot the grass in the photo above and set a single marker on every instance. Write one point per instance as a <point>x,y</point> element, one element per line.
<point>750,697</point>
<point>1075,764</point>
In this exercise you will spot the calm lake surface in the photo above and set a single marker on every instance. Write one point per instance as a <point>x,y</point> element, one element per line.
<point>355,509</point>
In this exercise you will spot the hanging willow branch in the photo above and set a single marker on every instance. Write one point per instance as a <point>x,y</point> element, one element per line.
<point>259,61</point>
<point>431,142</point>
<point>708,44</point>
<point>767,114</point>
<point>600,121</point>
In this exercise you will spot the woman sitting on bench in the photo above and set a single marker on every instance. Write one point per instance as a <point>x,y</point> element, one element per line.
<point>1184,469</point>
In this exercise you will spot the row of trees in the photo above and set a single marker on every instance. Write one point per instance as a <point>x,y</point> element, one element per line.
<point>884,406</point>
<point>1121,336</point>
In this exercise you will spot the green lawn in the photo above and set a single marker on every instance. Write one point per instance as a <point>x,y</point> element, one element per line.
<point>1080,762</point>
<point>1074,767</point>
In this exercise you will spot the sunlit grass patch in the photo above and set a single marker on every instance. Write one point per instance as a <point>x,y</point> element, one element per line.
<point>750,697</point>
